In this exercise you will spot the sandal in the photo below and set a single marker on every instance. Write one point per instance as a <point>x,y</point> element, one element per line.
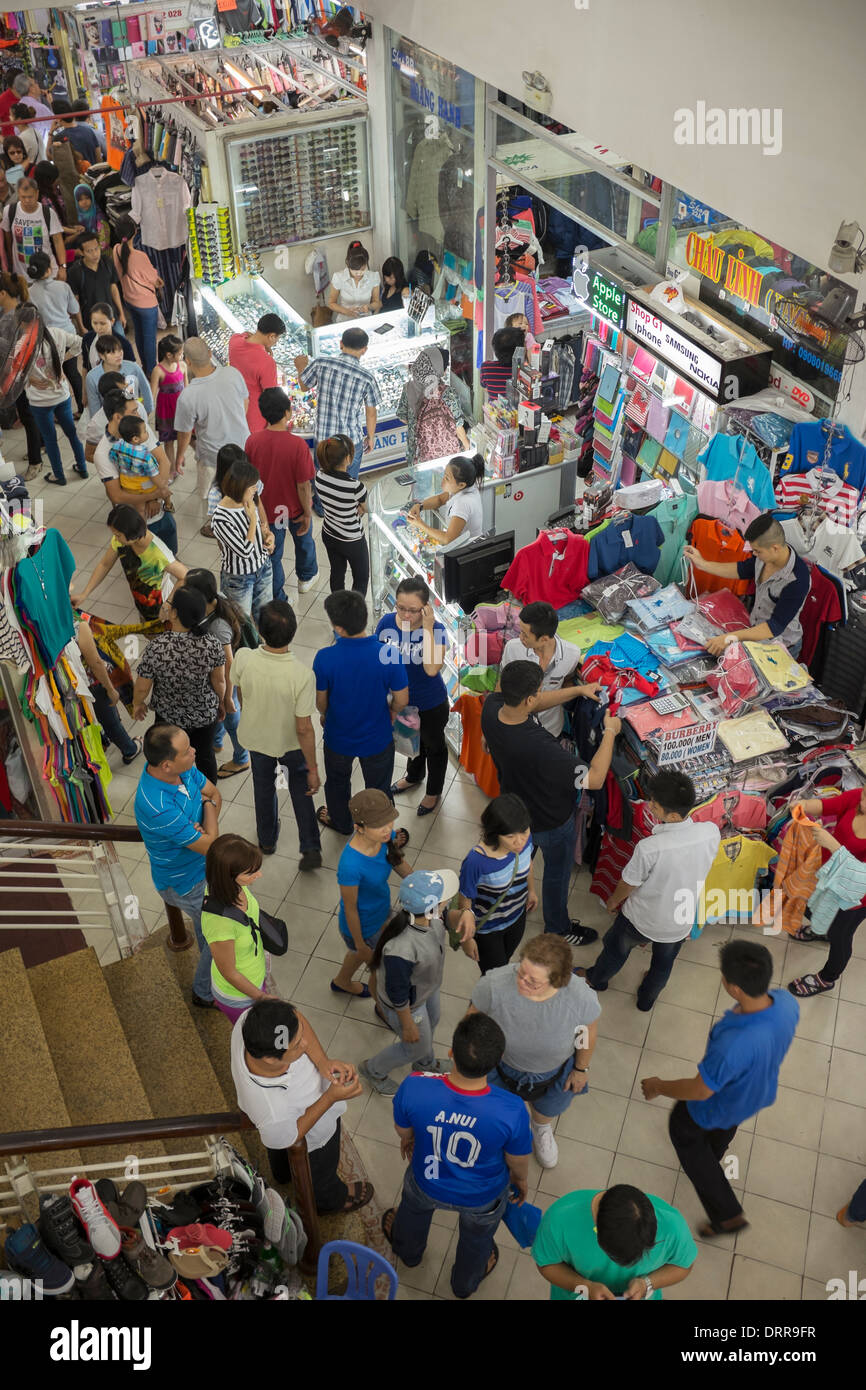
<point>401,838</point>
<point>58,482</point>
<point>807,986</point>
<point>324,819</point>
<point>231,769</point>
<point>363,1194</point>
<point>492,1263</point>
<point>805,934</point>
<point>388,1224</point>
<point>709,1231</point>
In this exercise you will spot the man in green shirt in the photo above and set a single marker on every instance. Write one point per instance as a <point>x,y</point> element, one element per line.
<point>619,1243</point>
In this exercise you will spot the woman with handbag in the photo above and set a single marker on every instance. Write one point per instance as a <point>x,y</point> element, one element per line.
<point>139,281</point>
<point>406,972</point>
<point>496,882</point>
<point>549,1018</point>
<point>236,928</point>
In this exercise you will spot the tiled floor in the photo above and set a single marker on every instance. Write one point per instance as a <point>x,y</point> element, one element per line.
<point>798,1162</point>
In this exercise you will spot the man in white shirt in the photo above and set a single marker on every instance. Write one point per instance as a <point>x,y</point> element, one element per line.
<point>291,1090</point>
<point>559,661</point>
<point>116,404</point>
<point>673,860</point>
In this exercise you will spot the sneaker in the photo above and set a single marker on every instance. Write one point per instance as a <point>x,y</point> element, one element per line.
<point>305,585</point>
<point>385,1087</point>
<point>101,1229</point>
<point>61,1232</point>
<point>26,1253</point>
<point>139,744</point>
<point>124,1282</point>
<point>202,1003</point>
<point>185,1237</point>
<point>91,1283</point>
<point>580,936</point>
<point>312,859</point>
<point>150,1266</point>
<point>545,1146</point>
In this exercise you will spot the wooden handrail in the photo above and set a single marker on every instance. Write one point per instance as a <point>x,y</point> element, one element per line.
<point>179,1126</point>
<point>179,939</point>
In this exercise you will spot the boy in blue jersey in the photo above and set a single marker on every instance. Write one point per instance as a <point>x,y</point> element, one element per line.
<point>468,1143</point>
<point>737,1076</point>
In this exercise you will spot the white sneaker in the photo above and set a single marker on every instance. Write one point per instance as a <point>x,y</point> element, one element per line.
<point>101,1231</point>
<point>305,585</point>
<point>545,1146</point>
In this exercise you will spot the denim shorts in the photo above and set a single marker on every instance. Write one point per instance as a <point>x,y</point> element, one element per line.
<point>347,937</point>
<point>555,1100</point>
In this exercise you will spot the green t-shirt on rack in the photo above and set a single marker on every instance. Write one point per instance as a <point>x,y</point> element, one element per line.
<point>675,515</point>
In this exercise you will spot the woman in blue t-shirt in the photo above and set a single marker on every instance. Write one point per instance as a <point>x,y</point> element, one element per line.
<point>362,873</point>
<point>496,881</point>
<point>413,632</point>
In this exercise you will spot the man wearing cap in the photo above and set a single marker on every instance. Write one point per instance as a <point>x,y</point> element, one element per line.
<point>362,874</point>
<point>406,973</point>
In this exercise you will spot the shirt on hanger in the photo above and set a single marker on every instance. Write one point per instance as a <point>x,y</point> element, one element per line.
<point>674,516</point>
<point>731,455</point>
<point>552,568</point>
<point>727,503</point>
<point>160,199</point>
<point>720,543</point>
<point>637,539</point>
<point>808,449</point>
<point>42,586</point>
<point>729,888</point>
<point>830,544</point>
<point>834,496</point>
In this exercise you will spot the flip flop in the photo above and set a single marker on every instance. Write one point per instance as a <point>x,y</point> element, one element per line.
<point>386,1230</point>
<point>324,819</point>
<point>232,769</point>
<point>364,1196</point>
<point>401,838</point>
<point>805,934</point>
<point>488,1271</point>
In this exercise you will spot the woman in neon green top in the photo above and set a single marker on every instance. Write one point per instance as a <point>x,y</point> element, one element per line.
<point>620,1243</point>
<point>240,962</point>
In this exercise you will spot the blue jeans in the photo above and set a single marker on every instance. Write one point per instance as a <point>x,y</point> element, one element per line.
<point>557,846</point>
<point>475,1243</point>
<point>420,1054</point>
<point>190,903</point>
<point>354,468</point>
<point>166,529</point>
<point>250,591</point>
<point>556,1098</point>
<point>112,728</point>
<point>619,941</point>
<point>378,770</point>
<point>144,322</point>
<point>47,417</point>
<point>265,797</point>
<point>306,560</point>
<point>229,726</point>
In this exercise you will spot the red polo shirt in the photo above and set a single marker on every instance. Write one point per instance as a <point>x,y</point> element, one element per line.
<point>258,369</point>
<point>283,460</point>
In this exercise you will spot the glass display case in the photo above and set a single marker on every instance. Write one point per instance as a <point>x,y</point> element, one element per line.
<point>395,341</point>
<point>301,184</point>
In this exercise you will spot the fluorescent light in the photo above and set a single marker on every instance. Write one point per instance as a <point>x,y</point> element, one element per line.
<point>239,76</point>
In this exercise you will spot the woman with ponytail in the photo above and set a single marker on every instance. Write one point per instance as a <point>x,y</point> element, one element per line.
<point>461,498</point>
<point>139,281</point>
<point>182,675</point>
<point>229,625</point>
<point>57,305</point>
<point>344,500</point>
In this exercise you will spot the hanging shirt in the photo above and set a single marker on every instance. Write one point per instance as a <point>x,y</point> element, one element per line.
<point>729,888</point>
<point>473,755</point>
<point>160,199</point>
<point>744,812</point>
<point>727,503</point>
<point>553,568</point>
<point>830,544</point>
<point>838,499</point>
<point>718,543</point>
<point>732,456</point>
<point>674,516</point>
<point>808,449</point>
<point>42,586</point>
<point>637,539</point>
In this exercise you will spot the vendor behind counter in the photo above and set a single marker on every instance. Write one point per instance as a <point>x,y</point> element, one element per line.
<point>781,580</point>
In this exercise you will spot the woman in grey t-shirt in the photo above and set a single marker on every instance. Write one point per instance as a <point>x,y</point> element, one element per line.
<point>548,1017</point>
<point>461,499</point>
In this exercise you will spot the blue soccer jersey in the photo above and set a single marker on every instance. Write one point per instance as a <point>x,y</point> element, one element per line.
<point>808,449</point>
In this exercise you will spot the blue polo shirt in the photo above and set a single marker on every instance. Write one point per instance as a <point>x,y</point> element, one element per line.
<point>358,682</point>
<point>168,816</point>
<point>461,1137</point>
<point>407,649</point>
<point>742,1061</point>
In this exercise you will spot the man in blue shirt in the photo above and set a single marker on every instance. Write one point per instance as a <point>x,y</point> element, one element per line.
<point>468,1143</point>
<point>738,1076</point>
<point>177,811</point>
<point>353,681</point>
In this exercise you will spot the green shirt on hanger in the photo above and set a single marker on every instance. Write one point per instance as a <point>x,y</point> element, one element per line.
<point>675,515</point>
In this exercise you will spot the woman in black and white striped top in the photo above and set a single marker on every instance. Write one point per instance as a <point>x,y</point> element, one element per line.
<point>344,500</point>
<point>245,542</point>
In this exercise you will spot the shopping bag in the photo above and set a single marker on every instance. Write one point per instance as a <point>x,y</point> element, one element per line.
<point>407,731</point>
<point>523,1221</point>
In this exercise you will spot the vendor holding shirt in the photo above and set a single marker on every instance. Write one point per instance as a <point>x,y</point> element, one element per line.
<point>781,581</point>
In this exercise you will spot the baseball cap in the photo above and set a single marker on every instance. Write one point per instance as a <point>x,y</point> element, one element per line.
<point>423,891</point>
<point>373,808</point>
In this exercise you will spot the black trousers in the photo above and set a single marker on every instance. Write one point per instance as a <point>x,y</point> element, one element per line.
<point>328,1187</point>
<point>496,948</point>
<point>434,750</point>
<point>73,376</point>
<point>31,430</point>
<point>700,1151</point>
<point>841,940</point>
<point>202,741</point>
<point>343,553</point>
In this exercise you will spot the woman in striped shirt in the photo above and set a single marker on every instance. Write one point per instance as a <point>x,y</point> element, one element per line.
<point>496,881</point>
<point>344,500</point>
<point>245,542</point>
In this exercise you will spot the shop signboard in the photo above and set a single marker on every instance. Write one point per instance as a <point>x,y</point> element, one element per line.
<point>694,741</point>
<point>666,342</point>
<point>789,386</point>
<point>599,293</point>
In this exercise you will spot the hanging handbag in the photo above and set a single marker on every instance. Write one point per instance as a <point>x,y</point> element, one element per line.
<point>657,419</point>
<point>677,434</point>
<point>273,931</point>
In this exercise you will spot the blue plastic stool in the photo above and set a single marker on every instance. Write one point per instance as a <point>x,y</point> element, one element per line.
<point>363,1266</point>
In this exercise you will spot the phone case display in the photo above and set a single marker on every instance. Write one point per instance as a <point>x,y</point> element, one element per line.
<point>212,253</point>
<point>301,184</point>
<point>394,342</point>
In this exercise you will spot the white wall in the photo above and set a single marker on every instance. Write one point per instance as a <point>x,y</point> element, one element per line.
<point>619,69</point>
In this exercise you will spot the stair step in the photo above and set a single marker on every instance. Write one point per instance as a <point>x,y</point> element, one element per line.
<point>91,1056</point>
<point>30,1095</point>
<point>174,1067</point>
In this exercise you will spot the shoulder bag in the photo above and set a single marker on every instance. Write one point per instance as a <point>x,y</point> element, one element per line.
<point>453,939</point>
<point>273,931</point>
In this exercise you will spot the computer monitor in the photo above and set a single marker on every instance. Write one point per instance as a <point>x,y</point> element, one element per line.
<point>474,572</point>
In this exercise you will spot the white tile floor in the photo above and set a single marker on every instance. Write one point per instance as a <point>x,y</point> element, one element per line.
<point>798,1162</point>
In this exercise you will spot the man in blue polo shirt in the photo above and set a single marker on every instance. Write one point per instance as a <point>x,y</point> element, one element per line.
<point>469,1143</point>
<point>177,811</point>
<point>738,1076</point>
<point>354,679</point>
